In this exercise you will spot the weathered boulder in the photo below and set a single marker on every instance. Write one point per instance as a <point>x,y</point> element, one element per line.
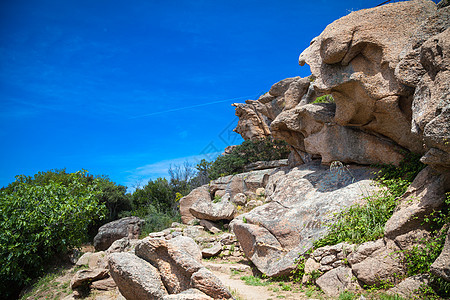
<point>354,59</point>
<point>384,265</point>
<point>84,277</point>
<point>122,245</point>
<point>205,281</point>
<point>177,267</point>
<point>129,227</point>
<point>441,266</point>
<point>104,284</point>
<point>274,235</point>
<point>253,124</point>
<point>336,281</point>
<point>212,251</point>
<point>410,287</point>
<point>213,211</point>
<point>365,250</point>
<point>93,260</point>
<point>188,245</point>
<point>240,199</point>
<point>136,278</point>
<point>349,145</point>
<point>425,195</point>
<point>200,193</point>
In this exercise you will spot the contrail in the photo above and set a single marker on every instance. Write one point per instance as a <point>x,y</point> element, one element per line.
<point>188,107</point>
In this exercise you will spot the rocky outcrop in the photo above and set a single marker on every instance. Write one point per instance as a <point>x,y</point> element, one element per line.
<point>129,227</point>
<point>354,59</point>
<point>388,72</point>
<point>301,201</point>
<point>216,201</point>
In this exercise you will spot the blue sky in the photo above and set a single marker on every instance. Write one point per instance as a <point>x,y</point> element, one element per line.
<point>126,88</point>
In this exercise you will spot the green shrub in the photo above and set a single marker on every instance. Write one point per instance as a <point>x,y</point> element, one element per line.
<point>155,219</point>
<point>249,151</point>
<point>362,223</point>
<point>254,280</point>
<point>40,219</point>
<point>324,99</point>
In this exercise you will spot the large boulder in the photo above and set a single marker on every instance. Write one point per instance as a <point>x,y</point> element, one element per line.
<point>212,210</point>
<point>129,227</point>
<point>136,278</point>
<point>383,265</point>
<point>302,200</point>
<point>179,270</point>
<point>200,193</point>
<point>84,277</point>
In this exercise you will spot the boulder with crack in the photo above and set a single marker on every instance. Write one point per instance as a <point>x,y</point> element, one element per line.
<point>272,236</point>
<point>178,269</point>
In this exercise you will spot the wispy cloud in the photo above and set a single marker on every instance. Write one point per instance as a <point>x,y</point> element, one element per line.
<point>191,106</point>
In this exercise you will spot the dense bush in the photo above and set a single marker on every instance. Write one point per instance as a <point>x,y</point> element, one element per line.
<point>41,218</point>
<point>249,151</point>
<point>157,203</point>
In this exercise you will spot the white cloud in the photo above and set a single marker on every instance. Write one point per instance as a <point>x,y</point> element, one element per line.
<point>141,175</point>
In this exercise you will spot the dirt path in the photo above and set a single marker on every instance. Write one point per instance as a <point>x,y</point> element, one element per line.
<point>230,274</point>
<point>243,291</point>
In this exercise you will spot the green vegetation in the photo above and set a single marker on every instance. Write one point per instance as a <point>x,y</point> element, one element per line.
<point>249,151</point>
<point>419,259</point>
<point>324,99</point>
<point>40,218</point>
<point>347,295</point>
<point>362,223</point>
<point>254,280</point>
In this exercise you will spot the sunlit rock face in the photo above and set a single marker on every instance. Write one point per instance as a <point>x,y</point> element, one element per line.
<point>354,59</point>
<point>387,69</point>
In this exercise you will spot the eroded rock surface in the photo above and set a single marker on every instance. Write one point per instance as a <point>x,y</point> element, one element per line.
<point>303,199</point>
<point>136,278</point>
<point>387,69</point>
<point>129,227</point>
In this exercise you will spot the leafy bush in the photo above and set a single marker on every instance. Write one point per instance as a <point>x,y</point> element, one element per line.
<point>40,219</point>
<point>157,203</point>
<point>155,219</point>
<point>157,193</point>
